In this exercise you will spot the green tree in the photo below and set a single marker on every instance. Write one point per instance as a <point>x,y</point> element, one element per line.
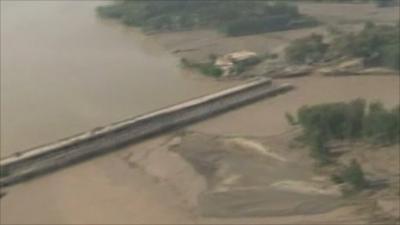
<point>354,175</point>
<point>382,126</point>
<point>306,50</point>
<point>354,118</point>
<point>319,150</point>
<point>234,18</point>
<point>378,45</point>
<point>327,122</point>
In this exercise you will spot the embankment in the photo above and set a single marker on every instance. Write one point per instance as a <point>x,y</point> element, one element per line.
<point>47,158</point>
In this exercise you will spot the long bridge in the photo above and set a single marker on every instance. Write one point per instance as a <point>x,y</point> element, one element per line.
<point>48,158</point>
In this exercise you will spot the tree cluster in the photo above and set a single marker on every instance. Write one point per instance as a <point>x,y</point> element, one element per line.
<point>377,45</point>
<point>353,120</point>
<point>234,18</point>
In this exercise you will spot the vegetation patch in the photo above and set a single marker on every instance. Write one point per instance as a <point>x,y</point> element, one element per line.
<point>207,68</point>
<point>353,120</point>
<point>241,66</point>
<point>325,124</point>
<point>306,50</point>
<point>212,68</point>
<point>352,175</point>
<point>233,18</point>
<point>377,45</point>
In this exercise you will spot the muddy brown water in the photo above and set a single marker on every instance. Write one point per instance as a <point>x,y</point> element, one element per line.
<point>65,71</point>
<point>96,72</point>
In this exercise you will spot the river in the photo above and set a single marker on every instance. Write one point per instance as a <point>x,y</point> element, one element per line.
<point>64,71</point>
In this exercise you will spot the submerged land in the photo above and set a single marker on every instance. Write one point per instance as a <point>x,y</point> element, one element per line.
<point>249,165</point>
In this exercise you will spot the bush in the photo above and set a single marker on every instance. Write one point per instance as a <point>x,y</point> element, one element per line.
<point>208,68</point>
<point>390,56</point>
<point>382,126</point>
<point>354,175</point>
<point>333,120</point>
<point>319,150</point>
<point>377,45</point>
<point>306,50</point>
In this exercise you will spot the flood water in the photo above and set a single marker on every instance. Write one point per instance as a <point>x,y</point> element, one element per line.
<point>64,71</point>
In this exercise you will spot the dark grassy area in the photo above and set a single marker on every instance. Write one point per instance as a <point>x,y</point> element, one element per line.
<point>233,18</point>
